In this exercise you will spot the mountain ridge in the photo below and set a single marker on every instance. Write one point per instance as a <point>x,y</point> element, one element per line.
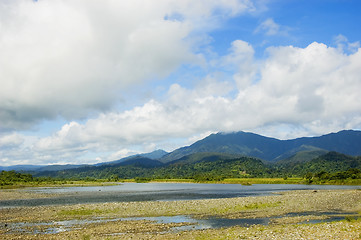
<point>269,149</point>
<point>241,144</point>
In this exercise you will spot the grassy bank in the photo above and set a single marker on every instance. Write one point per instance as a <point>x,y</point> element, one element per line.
<point>57,183</point>
<point>246,181</point>
<point>243,181</point>
<point>250,181</point>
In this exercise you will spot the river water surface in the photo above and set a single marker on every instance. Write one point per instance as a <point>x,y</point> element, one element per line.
<point>126,192</point>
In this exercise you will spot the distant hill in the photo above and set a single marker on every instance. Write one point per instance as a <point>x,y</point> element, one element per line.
<point>270,149</point>
<point>133,167</point>
<point>213,166</point>
<point>300,155</point>
<point>203,156</point>
<point>226,155</point>
<point>331,162</point>
<point>157,154</point>
<point>140,161</point>
<point>199,166</point>
<point>50,168</point>
<point>21,167</point>
<point>39,168</point>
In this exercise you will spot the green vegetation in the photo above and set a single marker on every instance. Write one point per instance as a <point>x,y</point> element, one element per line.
<point>82,212</point>
<point>12,177</point>
<point>250,181</point>
<point>352,177</point>
<point>205,169</point>
<point>330,168</point>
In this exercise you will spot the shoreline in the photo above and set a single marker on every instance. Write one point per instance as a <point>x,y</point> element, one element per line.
<point>242,181</point>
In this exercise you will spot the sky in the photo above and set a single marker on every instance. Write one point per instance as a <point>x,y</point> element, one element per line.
<point>87,81</point>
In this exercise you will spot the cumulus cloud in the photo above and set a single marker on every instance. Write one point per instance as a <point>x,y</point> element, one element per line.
<point>69,58</point>
<point>313,88</point>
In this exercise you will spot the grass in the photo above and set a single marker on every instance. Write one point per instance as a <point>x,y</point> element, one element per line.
<point>348,181</point>
<point>249,181</point>
<point>243,181</point>
<point>83,212</point>
<point>241,207</point>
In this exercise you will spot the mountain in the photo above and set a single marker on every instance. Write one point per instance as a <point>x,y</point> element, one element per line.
<point>238,153</point>
<point>21,167</point>
<point>50,168</point>
<point>302,154</point>
<point>346,142</point>
<point>198,166</point>
<point>130,168</point>
<point>58,167</point>
<point>331,162</point>
<point>157,154</point>
<point>140,161</point>
<point>270,149</point>
<point>40,168</point>
<point>247,144</point>
<point>203,156</point>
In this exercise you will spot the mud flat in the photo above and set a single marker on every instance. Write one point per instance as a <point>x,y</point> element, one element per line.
<point>305,214</point>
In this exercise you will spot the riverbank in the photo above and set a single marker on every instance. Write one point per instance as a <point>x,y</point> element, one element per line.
<point>250,181</point>
<point>243,181</point>
<point>283,208</point>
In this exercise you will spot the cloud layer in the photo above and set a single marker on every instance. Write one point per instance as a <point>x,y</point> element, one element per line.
<point>313,89</point>
<point>71,58</point>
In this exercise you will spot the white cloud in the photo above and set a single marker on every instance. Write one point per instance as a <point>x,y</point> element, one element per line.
<point>70,58</point>
<point>312,90</point>
<point>241,61</point>
<point>270,28</point>
<point>122,154</point>
<point>343,44</point>
<point>12,140</point>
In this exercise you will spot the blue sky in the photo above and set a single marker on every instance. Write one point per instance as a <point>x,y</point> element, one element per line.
<point>86,82</point>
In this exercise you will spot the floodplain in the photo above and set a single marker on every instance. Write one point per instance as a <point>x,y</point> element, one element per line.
<point>297,214</point>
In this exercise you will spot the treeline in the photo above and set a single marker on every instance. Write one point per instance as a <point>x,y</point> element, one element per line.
<point>12,177</point>
<point>323,176</point>
<point>15,179</point>
<point>200,171</point>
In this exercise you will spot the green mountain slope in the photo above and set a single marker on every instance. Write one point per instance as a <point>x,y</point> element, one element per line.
<point>331,162</point>
<point>270,149</point>
<point>300,155</point>
<point>214,166</point>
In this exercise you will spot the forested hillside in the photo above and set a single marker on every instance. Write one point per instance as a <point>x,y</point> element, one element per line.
<point>210,166</point>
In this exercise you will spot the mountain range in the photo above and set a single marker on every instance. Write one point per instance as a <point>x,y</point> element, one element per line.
<point>271,149</point>
<point>223,146</point>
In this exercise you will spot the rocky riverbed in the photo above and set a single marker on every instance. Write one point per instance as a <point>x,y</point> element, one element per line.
<point>290,215</point>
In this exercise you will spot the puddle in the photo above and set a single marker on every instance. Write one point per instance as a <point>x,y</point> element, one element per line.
<point>192,223</point>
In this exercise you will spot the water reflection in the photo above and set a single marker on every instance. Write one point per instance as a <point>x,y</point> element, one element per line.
<point>157,192</point>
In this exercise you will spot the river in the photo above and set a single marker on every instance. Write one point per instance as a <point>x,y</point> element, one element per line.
<point>126,192</point>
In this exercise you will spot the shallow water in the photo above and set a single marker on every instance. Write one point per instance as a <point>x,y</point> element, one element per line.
<point>127,192</point>
<point>193,223</point>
